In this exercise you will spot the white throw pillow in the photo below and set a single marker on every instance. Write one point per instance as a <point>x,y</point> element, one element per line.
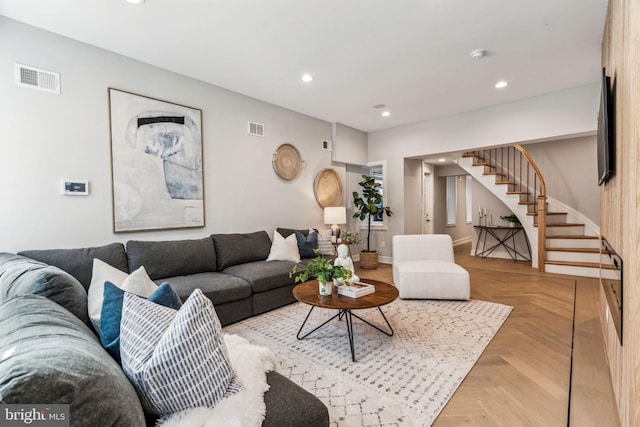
<point>284,249</point>
<point>137,283</point>
<point>325,247</point>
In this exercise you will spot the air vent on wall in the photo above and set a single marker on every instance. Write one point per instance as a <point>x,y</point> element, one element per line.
<point>256,129</point>
<point>36,78</point>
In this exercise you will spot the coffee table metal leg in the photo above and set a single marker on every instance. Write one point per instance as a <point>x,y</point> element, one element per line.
<point>348,315</point>
<point>316,328</point>
<point>390,334</point>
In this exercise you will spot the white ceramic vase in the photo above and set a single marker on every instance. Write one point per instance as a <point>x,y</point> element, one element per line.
<point>325,288</point>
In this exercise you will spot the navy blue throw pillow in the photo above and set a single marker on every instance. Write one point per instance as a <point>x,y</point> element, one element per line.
<point>112,313</point>
<point>307,244</point>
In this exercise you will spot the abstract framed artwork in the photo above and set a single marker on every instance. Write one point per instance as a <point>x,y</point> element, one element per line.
<point>156,164</point>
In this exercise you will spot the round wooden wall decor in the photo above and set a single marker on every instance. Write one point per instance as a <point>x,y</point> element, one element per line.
<point>287,162</point>
<point>327,188</point>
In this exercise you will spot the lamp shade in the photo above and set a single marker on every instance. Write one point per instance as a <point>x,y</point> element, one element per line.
<point>335,215</point>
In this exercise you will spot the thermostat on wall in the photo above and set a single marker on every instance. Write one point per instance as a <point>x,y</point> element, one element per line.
<point>75,187</point>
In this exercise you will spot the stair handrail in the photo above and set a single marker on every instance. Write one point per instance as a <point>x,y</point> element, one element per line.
<point>543,186</point>
<point>541,209</point>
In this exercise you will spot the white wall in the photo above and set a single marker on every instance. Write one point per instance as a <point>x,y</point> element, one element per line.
<point>569,112</point>
<point>570,171</point>
<point>47,137</point>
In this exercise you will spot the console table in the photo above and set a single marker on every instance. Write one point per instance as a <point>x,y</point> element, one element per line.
<point>501,236</point>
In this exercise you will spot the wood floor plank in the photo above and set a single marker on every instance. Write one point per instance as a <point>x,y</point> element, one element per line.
<point>524,376</point>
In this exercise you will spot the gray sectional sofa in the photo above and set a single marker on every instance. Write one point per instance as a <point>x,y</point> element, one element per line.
<point>57,358</point>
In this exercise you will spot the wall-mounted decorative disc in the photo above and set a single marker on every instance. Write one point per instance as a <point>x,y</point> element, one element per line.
<point>287,162</point>
<point>327,188</point>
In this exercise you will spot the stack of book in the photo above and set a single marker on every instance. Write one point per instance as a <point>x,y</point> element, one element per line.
<point>356,289</point>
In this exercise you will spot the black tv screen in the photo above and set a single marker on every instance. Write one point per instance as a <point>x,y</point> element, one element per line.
<point>606,125</point>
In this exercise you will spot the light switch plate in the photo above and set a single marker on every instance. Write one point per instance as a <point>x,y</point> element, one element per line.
<point>75,187</point>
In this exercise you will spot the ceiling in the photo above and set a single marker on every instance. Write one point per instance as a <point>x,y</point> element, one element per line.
<point>411,55</point>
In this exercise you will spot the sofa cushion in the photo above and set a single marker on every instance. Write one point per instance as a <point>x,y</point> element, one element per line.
<point>290,405</point>
<point>112,313</point>
<point>23,276</point>
<point>49,356</point>
<point>137,282</point>
<point>79,262</point>
<point>234,249</point>
<point>175,359</point>
<point>262,275</point>
<point>172,258</point>
<point>286,232</point>
<point>218,287</point>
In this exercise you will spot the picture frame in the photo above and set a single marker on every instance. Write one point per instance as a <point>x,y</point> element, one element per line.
<point>156,163</point>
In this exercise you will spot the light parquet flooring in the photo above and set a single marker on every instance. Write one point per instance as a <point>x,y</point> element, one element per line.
<point>524,377</point>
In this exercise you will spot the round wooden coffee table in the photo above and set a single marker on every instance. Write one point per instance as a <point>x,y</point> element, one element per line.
<point>307,293</point>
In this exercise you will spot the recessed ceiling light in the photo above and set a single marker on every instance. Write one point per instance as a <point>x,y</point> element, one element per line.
<point>442,160</point>
<point>386,114</point>
<point>501,84</point>
<point>478,54</point>
<point>307,78</point>
<point>135,1</point>
<point>378,106</point>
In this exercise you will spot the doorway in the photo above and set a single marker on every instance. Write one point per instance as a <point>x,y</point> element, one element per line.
<point>427,197</point>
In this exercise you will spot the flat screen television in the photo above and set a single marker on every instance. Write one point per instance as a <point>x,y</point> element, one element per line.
<point>606,137</point>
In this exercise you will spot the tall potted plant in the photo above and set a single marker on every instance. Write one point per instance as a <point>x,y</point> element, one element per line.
<point>369,204</point>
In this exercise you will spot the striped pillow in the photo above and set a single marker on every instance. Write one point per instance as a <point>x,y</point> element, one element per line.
<point>325,247</point>
<point>175,359</point>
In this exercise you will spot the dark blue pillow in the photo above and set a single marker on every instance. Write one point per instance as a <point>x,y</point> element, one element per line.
<point>307,244</point>
<point>111,314</point>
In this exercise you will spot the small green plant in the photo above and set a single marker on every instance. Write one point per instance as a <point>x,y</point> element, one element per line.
<point>511,218</point>
<point>351,238</point>
<point>321,269</point>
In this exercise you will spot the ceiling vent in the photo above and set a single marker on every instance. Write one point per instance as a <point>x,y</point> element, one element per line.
<point>256,129</point>
<point>36,78</point>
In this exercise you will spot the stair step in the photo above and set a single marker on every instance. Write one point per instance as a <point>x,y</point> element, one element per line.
<point>581,264</point>
<point>564,229</point>
<point>573,237</point>
<point>548,213</point>
<point>573,269</point>
<point>505,182</point>
<point>577,241</point>
<point>517,192</point>
<point>583,250</point>
<point>496,173</point>
<point>579,255</point>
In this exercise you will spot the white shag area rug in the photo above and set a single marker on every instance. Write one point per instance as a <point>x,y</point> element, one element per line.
<point>403,380</point>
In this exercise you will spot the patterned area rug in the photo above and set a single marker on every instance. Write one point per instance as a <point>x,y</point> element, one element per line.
<point>404,380</point>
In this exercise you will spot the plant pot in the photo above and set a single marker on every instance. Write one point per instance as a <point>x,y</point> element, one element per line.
<point>369,260</point>
<point>325,288</point>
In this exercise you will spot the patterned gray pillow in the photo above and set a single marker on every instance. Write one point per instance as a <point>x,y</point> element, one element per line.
<point>175,359</point>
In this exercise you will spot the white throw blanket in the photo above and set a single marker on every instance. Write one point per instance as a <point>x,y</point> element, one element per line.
<point>243,409</point>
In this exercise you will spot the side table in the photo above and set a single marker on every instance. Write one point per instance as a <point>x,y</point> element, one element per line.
<point>501,236</point>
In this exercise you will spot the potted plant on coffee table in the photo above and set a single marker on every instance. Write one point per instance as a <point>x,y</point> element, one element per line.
<point>324,271</point>
<point>368,204</point>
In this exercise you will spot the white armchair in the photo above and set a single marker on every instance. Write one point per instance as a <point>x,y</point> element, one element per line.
<point>424,268</point>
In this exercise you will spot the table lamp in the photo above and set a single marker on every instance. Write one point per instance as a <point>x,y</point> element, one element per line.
<point>334,216</point>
